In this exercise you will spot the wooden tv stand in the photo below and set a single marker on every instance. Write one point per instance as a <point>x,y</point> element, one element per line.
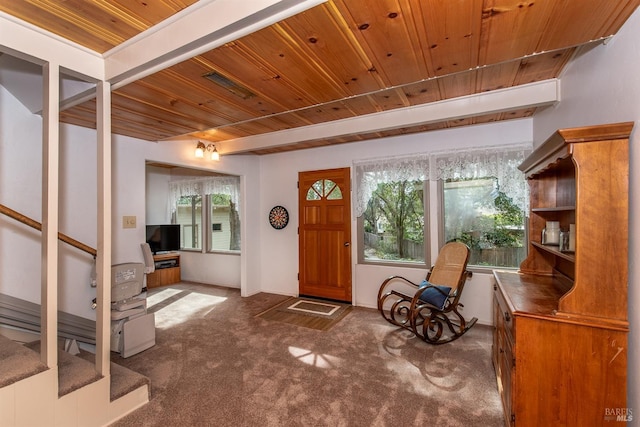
<point>165,276</point>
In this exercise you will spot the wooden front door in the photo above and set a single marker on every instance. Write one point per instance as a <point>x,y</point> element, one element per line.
<point>325,234</point>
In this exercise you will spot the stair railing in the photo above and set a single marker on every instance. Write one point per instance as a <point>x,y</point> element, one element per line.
<point>9,315</point>
<point>35,224</point>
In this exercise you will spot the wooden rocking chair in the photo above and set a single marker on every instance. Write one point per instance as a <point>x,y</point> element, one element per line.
<point>427,307</point>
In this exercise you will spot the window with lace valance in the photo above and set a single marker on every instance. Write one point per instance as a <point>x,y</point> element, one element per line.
<point>498,162</point>
<point>208,211</point>
<point>482,197</point>
<point>228,185</point>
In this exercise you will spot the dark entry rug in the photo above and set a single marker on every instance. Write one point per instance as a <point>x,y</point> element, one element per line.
<point>309,313</point>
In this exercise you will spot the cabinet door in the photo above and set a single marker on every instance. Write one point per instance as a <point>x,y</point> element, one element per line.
<point>503,359</point>
<point>498,326</point>
<point>507,368</point>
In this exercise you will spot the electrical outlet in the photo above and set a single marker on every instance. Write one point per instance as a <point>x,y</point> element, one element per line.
<point>129,221</point>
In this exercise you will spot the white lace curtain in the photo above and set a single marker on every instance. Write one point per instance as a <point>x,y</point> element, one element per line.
<point>370,173</point>
<point>229,185</point>
<point>498,162</point>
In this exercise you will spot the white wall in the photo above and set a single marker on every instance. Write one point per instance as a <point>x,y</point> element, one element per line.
<point>20,190</point>
<point>279,249</point>
<point>78,213</point>
<point>156,195</point>
<point>603,86</point>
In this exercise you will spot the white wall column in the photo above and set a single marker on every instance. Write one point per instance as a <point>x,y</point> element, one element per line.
<point>103,264</point>
<point>50,187</point>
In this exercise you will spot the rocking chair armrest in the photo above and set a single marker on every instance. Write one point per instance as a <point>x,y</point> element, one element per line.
<point>391,279</point>
<point>404,279</point>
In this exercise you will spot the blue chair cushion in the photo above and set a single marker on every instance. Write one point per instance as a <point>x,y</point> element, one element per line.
<point>432,294</point>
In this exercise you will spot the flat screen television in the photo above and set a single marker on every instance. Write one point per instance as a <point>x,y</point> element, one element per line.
<point>163,237</point>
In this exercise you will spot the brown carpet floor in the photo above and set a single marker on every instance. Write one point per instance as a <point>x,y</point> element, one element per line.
<point>216,364</point>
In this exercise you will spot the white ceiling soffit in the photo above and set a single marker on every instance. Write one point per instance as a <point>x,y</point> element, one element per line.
<point>197,29</point>
<point>537,94</point>
<point>24,80</point>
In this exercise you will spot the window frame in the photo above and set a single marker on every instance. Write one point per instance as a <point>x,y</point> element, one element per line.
<point>501,161</point>
<point>174,220</point>
<point>210,231</point>
<point>426,242</point>
<point>433,236</point>
<point>206,221</point>
<point>441,241</point>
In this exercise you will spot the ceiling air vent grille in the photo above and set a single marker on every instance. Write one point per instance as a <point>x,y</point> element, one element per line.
<point>229,85</point>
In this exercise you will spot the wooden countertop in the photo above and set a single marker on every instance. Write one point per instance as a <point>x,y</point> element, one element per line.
<point>528,294</point>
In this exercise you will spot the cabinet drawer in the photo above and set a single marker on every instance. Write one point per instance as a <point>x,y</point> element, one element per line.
<point>507,320</point>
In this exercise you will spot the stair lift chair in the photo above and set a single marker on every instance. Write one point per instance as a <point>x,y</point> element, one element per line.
<point>132,328</point>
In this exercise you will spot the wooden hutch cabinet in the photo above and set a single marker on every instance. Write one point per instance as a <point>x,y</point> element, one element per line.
<point>560,341</point>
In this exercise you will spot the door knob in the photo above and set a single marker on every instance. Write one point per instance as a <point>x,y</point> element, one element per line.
<point>347,243</point>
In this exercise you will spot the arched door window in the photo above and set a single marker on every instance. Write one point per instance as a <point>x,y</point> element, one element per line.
<point>324,189</point>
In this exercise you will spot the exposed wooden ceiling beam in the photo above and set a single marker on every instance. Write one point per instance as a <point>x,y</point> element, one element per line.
<point>197,29</point>
<point>530,95</point>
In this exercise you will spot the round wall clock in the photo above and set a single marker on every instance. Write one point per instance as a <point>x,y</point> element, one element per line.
<point>278,217</point>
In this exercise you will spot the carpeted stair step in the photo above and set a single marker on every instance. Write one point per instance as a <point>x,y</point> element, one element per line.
<point>78,371</point>
<point>123,380</point>
<point>73,372</point>
<point>17,362</point>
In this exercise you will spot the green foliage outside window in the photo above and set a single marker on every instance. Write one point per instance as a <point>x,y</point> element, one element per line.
<point>394,222</point>
<point>479,215</point>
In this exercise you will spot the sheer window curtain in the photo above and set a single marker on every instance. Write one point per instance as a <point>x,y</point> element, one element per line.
<point>500,162</point>
<point>229,185</point>
<point>370,173</point>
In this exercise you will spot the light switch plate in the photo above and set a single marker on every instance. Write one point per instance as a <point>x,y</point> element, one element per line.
<point>129,221</point>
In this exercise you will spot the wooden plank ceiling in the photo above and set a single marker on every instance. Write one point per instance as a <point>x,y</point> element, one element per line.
<point>339,60</point>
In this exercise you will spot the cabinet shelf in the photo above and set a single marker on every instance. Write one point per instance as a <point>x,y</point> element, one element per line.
<point>555,209</point>
<point>555,250</point>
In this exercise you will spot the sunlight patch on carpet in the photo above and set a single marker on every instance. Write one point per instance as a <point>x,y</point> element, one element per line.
<point>163,295</point>
<point>308,357</point>
<point>190,306</point>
